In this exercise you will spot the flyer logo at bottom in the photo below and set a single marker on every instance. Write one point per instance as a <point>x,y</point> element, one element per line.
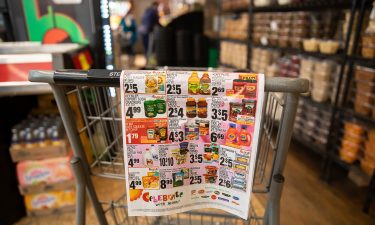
<point>191,147</point>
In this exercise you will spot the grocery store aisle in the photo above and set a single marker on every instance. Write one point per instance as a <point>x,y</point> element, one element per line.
<point>308,200</point>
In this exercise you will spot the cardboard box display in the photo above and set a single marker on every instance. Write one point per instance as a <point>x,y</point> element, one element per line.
<point>35,153</point>
<point>46,171</point>
<point>44,187</point>
<point>50,201</point>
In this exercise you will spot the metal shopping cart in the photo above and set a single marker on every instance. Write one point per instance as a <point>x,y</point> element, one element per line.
<point>89,104</point>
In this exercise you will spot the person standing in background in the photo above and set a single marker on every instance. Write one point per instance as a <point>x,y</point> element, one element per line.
<point>149,20</point>
<point>128,34</point>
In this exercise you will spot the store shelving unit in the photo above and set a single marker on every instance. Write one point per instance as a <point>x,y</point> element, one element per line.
<point>338,56</point>
<point>306,6</point>
<point>339,106</point>
<point>240,41</point>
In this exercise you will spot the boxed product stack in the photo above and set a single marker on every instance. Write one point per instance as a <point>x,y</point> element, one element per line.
<point>312,124</point>
<point>321,74</point>
<point>306,69</point>
<point>262,3</point>
<point>368,38</point>
<point>323,79</point>
<point>228,5</point>
<point>365,91</point>
<point>299,28</point>
<point>289,66</point>
<point>368,160</point>
<point>313,31</point>
<point>43,170</point>
<point>261,29</point>
<point>351,141</point>
<point>235,28</point>
<point>233,54</point>
<point>264,61</point>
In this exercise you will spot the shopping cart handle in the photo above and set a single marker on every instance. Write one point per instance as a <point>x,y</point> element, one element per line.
<point>96,77</point>
<point>101,77</point>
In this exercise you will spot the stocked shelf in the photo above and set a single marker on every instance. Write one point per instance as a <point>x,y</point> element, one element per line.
<point>322,26</point>
<point>338,56</point>
<point>306,6</point>
<point>363,61</point>
<point>240,41</point>
<point>364,119</point>
<point>230,67</point>
<point>318,149</point>
<point>236,10</point>
<point>336,159</point>
<point>320,105</point>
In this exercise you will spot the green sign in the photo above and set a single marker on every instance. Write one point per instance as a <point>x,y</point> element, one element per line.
<point>52,27</point>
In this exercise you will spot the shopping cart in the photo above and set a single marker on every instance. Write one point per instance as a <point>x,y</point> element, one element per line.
<point>89,104</point>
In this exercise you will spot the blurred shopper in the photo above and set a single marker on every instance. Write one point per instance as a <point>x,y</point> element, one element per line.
<point>149,20</point>
<point>128,34</point>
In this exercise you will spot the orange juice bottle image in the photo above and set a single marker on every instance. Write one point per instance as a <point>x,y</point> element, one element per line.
<point>231,136</point>
<point>244,137</point>
<point>193,84</point>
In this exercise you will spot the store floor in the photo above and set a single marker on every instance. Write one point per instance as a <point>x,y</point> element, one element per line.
<point>306,199</point>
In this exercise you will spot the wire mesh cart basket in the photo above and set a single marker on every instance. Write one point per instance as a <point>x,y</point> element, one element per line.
<point>89,105</point>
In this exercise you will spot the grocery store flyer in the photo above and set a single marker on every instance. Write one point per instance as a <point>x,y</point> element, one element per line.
<point>190,140</point>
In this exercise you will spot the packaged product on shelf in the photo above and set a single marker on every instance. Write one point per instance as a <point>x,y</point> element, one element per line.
<point>289,66</point>
<point>311,45</point>
<point>329,46</point>
<point>233,54</point>
<point>365,91</point>
<point>312,124</point>
<point>234,4</point>
<point>235,28</point>
<point>297,30</point>
<point>38,138</point>
<point>260,3</point>
<point>368,159</point>
<point>201,135</point>
<point>53,200</point>
<point>263,59</point>
<point>351,141</point>
<point>47,171</point>
<point>368,38</point>
<point>322,82</point>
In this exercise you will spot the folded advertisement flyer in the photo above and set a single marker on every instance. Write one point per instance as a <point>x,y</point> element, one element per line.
<point>190,140</point>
